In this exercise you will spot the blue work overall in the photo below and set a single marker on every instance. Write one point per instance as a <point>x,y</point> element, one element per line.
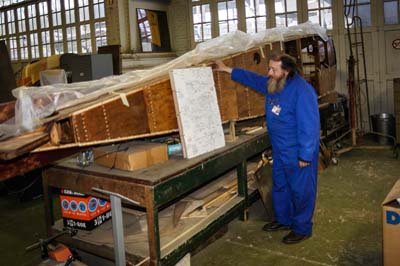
<point>294,129</point>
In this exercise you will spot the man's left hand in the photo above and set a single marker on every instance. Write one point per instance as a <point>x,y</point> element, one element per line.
<point>303,164</point>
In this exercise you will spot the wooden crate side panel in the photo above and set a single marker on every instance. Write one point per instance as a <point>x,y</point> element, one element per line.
<point>256,100</point>
<point>160,107</point>
<point>112,120</point>
<point>241,90</point>
<point>226,94</point>
<point>250,102</point>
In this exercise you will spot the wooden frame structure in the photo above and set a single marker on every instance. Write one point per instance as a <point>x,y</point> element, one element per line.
<point>151,109</point>
<point>155,188</point>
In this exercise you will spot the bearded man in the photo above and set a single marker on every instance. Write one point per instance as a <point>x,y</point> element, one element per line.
<point>292,115</point>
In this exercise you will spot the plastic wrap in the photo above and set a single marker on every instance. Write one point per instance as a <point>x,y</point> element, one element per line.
<point>35,103</point>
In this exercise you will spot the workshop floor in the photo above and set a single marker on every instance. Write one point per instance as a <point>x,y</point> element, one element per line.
<point>347,222</point>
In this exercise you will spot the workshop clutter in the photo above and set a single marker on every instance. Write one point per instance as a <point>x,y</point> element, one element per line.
<point>391,226</point>
<point>83,212</point>
<point>132,155</point>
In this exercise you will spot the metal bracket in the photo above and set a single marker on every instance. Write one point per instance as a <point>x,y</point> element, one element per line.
<point>117,223</point>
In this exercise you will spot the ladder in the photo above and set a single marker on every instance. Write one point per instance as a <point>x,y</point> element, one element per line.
<point>357,72</point>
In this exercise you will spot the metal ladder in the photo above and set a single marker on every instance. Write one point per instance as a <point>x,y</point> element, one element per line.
<point>355,82</point>
<point>357,73</point>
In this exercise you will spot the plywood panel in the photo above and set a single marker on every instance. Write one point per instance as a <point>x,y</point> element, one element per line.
<point>256,100</point>
<point>160,107</point>
<point>112,120</point>
<point>196,105</point>
<point>242,92</point>
<point>226,94</point>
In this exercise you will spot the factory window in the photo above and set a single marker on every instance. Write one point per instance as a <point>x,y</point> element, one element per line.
<point>391,10</point>
<point>86,42</point>
<point>101,33</point>
<point>41,28</point>
<point>72,45</point>
<point>8,2</point>
<point>13,48</point>
<point>56,12</point>
<point>227,16</point>
<point>320,12</point>
<point>46,47</point>
<point>256,15</point>
<point>23,47</point>
<point>83,10</point>
<point>201,22</point>
<point>32,19</point>
<point>285,13</point>
<point>361,8</point>
<point>2,24</point>
<point>34,45</point>
<point>11,22</point>
<point>69,6</point>
<point>98,8</point>
<point>21,19</point>
<point>43,15</point>
<point>58,41</point>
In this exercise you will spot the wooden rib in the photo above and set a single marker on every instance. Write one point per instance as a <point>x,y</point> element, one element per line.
<point>49,147</point>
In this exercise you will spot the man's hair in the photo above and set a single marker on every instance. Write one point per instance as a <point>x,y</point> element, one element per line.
<point>288,62</point>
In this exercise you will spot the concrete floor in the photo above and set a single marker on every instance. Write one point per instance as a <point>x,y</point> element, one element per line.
<point>347,222</point>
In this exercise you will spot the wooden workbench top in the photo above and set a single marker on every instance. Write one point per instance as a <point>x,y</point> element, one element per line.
<point>157,173</point>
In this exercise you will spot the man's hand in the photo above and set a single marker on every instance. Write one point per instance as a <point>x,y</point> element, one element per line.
<point>220,66</point>
<point>303,164</point>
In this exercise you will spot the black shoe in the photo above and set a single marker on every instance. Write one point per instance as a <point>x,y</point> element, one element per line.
<point>275,226</point>
<point>293,238</point>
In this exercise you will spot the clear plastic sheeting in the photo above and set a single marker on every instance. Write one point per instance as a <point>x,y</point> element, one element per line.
<point>282,34</point>
<point>36,103</point>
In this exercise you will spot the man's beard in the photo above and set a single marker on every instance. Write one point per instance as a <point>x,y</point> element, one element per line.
<point>276,85</point>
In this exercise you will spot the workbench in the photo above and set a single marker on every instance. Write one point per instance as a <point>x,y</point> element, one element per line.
<point>156,187</point>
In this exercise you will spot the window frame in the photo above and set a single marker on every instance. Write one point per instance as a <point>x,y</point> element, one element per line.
<point>52,22</point>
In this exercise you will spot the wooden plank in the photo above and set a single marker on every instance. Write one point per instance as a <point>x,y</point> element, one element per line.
<point>31,161</point>
<point>14,147</point>
<point>160,107</point>
<point>84,182</point>
<point>159,172</point>
<point>256,100</point>
<point>112,120</point>
<point>251,103</point>
<point>226,94</point>
<point>241,91</point>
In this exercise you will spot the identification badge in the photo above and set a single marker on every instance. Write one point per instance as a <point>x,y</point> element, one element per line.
<point>276,109</point>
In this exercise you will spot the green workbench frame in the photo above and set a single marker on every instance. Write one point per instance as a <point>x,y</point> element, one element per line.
<point>155,194</point>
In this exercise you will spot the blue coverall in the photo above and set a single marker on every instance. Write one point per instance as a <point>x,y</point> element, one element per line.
<point>294,129</point>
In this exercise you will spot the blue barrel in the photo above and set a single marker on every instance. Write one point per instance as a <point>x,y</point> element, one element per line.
<point>384,123</point>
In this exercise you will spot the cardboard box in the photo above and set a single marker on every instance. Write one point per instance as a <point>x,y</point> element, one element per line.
<point>132,155</point>
<point>83,212</point>
<point>391,227</point>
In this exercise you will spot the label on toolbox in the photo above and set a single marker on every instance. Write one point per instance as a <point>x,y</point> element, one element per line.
<point>87,225</point>
<point>72,193</point>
